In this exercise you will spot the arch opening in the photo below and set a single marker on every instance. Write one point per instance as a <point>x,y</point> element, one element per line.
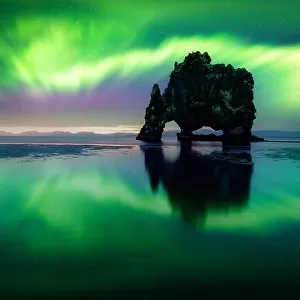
<point>170,130</point>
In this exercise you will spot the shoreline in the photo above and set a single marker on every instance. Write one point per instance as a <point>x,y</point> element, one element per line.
<point>172,142</point>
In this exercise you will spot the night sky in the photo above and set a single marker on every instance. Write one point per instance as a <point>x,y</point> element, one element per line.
<point>90,64</point>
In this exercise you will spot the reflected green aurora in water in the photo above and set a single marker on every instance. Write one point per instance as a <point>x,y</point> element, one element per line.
<point>66,196</point>
<point>93,221</point>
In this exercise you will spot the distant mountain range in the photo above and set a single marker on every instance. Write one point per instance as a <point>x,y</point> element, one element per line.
<point>260,133</point>
<point>277,133</point>
<point>61,133</point>
<point>166,134</point>
<point>37,133</point>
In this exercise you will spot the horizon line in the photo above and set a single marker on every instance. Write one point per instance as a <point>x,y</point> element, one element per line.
<point>103,130</point>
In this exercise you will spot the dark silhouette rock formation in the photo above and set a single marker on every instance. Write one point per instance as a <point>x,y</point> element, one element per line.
<point>198,183</point>
<point>154,117</point>
<point>203,94</point>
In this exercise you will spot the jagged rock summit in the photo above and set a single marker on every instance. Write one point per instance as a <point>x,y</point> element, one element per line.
<point>203,94</point>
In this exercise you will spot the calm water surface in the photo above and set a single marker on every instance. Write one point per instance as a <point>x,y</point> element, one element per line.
<point>78,219</point>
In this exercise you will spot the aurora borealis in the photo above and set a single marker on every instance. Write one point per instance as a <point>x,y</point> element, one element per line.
<point>92,63</point>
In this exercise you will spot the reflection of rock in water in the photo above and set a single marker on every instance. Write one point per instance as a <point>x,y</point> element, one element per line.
<point>196,183</point>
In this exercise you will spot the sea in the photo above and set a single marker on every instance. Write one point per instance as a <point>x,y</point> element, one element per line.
<point>154,220</point>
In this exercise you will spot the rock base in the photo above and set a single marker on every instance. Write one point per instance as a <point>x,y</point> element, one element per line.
<point>227,140</point>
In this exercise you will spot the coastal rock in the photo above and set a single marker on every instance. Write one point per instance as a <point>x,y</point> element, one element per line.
<point>203,94</point>
<point>154,117</point>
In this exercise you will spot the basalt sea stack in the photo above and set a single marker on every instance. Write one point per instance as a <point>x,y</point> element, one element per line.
<point>203,94</point>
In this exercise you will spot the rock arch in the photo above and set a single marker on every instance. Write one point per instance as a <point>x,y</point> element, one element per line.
<point>203,94</point>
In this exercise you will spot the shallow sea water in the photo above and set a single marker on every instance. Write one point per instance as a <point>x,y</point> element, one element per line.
<point>83,219</point>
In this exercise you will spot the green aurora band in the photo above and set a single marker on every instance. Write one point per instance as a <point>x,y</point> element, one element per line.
<point>52,49</point>
<point>70,73</point>
<point>82,47</point>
